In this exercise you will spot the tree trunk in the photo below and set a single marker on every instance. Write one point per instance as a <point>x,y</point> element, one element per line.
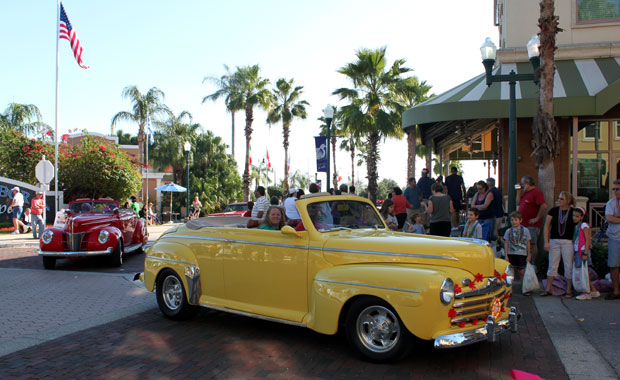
<point>411,136</point>
<point>232,145</point>
<point>249,118</point>
<point>352,164</point>
<point>373,145</point>
<point>286,128</point>
<point>545,141</point>
<point>335,172</point>
<point>429,160</point>
<point>141,156</point>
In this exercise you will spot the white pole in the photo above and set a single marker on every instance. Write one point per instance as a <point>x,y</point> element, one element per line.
<point>146,203</point>
<point>56,203</point>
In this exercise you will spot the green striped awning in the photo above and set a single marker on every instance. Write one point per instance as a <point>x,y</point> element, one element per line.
<point>581,87</point>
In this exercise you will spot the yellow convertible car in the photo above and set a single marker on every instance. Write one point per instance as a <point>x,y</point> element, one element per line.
<point>343,270</point>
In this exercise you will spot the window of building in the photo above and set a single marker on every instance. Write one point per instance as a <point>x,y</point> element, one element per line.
<point>598,11</point>
<point>592,131</point>
<point>616,129</point>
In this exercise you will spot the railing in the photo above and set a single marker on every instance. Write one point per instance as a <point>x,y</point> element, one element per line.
<point>596,216</point>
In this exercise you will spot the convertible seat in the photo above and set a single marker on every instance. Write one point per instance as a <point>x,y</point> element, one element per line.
<point>218,221</point>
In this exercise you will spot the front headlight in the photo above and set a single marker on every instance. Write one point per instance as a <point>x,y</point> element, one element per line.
<point>47,236</point>
<point>510,274</point>
<point>103,236</point>
<point>446,294</point>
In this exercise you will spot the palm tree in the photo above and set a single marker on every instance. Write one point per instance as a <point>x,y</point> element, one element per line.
<point>545,140</point>
<point>260,174</point>
<point>253,91</point>
<point>286,106</point>
<point>229,90</point>
<point>171,136</point>
<point>350,143</point>
<point>372,111</point>
<point>410,92</point>
<point>143,105</point>
<point>19,117</point>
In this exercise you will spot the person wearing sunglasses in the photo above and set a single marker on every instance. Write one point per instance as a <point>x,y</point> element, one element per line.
<point>612,216</point>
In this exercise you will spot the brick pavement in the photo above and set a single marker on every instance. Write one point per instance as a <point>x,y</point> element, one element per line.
<point>217,345</point>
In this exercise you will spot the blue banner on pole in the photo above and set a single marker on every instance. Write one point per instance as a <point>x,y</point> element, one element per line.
<point>321,153</point>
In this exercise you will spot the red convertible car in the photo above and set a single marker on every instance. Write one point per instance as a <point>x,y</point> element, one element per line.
<point>239,208</point>
<point>93,227</point>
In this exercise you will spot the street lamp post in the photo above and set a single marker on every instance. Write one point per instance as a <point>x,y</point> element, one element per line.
<point>328,112</point>
<point>488,52</point>
<point>187,147</point>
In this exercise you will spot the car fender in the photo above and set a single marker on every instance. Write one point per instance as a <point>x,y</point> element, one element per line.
<point>175,256</point>
<point>413,291</point>
<point>114,237</point>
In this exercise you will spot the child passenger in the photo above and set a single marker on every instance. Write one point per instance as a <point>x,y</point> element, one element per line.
<point>416,227</point>
<point>473,228</point>
<point>517,244</point>
<point>582,242</point>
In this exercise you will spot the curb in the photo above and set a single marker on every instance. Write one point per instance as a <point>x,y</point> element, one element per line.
<point>581,360</point>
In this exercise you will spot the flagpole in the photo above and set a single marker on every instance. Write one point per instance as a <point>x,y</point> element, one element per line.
<point>56,202</point>
<point>146,203</point>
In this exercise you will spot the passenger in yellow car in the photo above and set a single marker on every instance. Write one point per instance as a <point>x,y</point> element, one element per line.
<point>274,220</point>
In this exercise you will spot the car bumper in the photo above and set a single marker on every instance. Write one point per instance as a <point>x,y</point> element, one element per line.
<point>489,332</point>
<point>75,253</point>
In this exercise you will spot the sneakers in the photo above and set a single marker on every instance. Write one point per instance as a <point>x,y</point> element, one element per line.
<point>584,296</point>
<point>16,232</point>
<point>595,294</point>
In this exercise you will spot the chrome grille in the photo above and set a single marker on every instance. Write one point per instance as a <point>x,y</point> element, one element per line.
<point>74,241</point>
<point>476,304</point>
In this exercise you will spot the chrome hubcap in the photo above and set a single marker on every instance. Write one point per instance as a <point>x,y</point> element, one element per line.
<point>378,329</point>
<point>172,292</point>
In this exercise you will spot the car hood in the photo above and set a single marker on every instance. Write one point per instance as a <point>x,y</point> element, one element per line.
<point>81,223</point>
<point>382,246</point>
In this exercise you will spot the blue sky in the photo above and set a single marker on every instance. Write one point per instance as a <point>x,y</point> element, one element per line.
<point>174,45</point>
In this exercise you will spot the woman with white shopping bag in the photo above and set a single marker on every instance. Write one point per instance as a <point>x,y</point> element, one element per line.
<point>582,242</point>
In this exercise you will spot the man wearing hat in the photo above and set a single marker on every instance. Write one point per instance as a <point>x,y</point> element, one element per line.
<point>290,208</point>
<point>16,208</point>
<point>37,206</point>
<point>425,184</point>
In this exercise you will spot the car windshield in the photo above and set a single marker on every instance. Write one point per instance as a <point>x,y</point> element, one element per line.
<point>90,206</point>
<point>236,207</point>
<point>343,214</point>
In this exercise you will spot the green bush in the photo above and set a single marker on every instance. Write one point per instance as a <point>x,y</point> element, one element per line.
<point>275,190</point>
<point>599,259</point>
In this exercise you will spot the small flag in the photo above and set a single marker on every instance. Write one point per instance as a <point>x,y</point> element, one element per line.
<point>250,153</point>
<point>149,130</point>
<point>68,33</point>
<point>288,167</point>
<point>268,160</point>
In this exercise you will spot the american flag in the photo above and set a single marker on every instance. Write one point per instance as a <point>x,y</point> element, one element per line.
<point>268,160</point>
<point>68,33</point>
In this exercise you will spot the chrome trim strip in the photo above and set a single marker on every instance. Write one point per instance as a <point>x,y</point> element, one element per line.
<point>476,302</point>
<point>238,241</point>
<point>366,285</point>
<point>251,315</point>
<point>474,310</point>
<point>132,247</point>
<point>492,285</point>
<point>470,318</point>
<point>417,255</point>
<point>171,260</point>
<point>75,253</point>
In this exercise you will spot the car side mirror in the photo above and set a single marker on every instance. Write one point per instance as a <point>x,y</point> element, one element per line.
<point>288,230</point>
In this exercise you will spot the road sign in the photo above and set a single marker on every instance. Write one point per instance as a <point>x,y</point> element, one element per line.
<point>44,171</point>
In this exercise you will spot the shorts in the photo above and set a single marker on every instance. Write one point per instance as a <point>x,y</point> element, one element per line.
<point>613,253</point>
<point>17,212</point>
<point>457,204</point>
<point>517,261</point>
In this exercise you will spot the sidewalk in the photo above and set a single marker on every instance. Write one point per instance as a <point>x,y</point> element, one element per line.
<point>27,241</point>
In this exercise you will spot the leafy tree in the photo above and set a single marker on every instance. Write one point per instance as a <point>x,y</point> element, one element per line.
<point>25,118</point>
<point>19,155</point>
<point>385,187</point>
<point>261,174</point>
<point>97,169</point>
<point>213,173</point>
<point>126,138</point>
<point>170,138</point>
<point>275,190</point>
<point>253,92</point>
<point>372,110</point>
<point>228,88</point>
<point>300,180</point>
<point>350,143</point>
<point>285,107</point>
<point>143,106</point>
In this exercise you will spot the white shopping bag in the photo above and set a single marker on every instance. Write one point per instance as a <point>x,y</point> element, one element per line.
<point>581,278</point>
<point>530,281</point>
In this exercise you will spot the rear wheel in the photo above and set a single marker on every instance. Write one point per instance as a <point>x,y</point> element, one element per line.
<point>171,297</point>
<point>116,260</point>
<point>375,330</point>
<point>49,262</point>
